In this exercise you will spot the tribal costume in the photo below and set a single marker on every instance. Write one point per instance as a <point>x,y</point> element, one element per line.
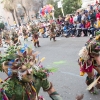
<point>15,39</point>
<point>6,37</point>
<point>26,75</point>
<point>0,40</point>
<point>53,32</point>
<point>35,39</point>
<point>25,34</point>
<point>87,61</point>
<point>34,31</point>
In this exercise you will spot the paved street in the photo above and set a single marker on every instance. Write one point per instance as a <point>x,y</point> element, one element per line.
<point>63,54</point>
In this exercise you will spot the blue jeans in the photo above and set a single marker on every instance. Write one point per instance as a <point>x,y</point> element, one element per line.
<point>66,32</point>
<point>92,30</point>
<point>44,35</point>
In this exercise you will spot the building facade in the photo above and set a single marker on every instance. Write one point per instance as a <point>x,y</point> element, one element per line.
<point>86,3</point>
<point>7,18</point>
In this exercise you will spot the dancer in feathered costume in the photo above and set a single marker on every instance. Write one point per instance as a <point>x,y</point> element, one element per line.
<point>0,40</point>
<point>34,31</point>
<point>25,33</point>
<point>14,38</point>
<point>6,37</point>
<point>25,74</point>
<point>89,60</point>
<point>53,31</point>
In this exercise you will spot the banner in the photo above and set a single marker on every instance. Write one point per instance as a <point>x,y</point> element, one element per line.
<point>59,4</point>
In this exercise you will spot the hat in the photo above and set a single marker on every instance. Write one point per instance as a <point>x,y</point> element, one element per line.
<point>83,54</point>
<point>94,46</point>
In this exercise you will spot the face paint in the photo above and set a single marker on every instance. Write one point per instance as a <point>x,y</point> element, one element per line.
<point>25,75</point>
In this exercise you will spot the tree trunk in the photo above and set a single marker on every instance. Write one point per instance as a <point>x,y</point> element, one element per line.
<point>28,16</point>
<point>42,3</point>
<point>17,18</point>
<point>13,15</point>
<point>24,10</point>
<point>23,7</point>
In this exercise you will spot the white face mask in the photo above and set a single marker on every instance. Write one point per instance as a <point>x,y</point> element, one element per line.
<point>22,73</point>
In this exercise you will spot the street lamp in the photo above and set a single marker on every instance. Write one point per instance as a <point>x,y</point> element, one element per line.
<point>8,21</point>
<point>60,5</point>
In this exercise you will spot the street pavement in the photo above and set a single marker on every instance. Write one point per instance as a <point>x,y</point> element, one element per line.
<point>63,55</point>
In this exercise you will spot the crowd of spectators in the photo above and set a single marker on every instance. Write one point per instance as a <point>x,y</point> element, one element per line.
<point>82,23</point>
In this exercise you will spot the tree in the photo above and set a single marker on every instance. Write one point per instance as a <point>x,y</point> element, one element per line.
<point>69,6</point>
<point>37,5</point>
<point>21,2</point>
<point>41,3</point>
<point>2,25</point>
<point>57,11</point>
<point>9,6</point>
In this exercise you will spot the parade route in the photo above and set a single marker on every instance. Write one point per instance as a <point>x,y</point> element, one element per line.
<point>66,80</point>
<point>63,55</point>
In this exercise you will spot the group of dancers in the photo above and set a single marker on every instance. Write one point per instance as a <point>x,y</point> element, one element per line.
<point>25,73</point>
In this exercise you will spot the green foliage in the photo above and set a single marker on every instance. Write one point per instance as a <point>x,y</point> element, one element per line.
<point>69,6</point>
<point>13,88</point>
<point>34,29</point>
<point>10,55</point>
<point>2,25</point>
<point>97,33</point>
<point>44,72</point>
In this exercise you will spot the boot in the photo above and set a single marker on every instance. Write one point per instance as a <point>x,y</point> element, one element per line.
<point>88,82</point>
<point>38,44</point>
<point>98,83</point>
<point>55,96</point>
<point>35,44</point>
<point>50,38</point>
<point>54,39</point>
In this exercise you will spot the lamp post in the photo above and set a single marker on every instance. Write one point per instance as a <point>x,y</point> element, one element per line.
<point>60,5</point>
<point>8,21</point>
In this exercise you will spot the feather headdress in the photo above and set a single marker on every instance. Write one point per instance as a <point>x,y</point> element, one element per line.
<point>83,54</point>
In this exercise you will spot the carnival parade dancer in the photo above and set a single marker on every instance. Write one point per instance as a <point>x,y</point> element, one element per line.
<point>25,33</point>
<point>25,74</point>
<point>33,29</point>
<point>88,60</point>
<point>53,31</point>
<point>14,39</point>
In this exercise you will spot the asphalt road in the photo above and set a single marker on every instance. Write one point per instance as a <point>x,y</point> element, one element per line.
<point>63,55</point>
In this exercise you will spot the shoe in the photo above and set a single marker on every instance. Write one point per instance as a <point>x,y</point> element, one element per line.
<point>50,39</point>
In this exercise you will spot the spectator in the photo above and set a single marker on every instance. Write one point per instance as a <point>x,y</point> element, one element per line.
<point>98,14</point>
<point>71,19</point>
<point>71,29</point>
<point>87,26</point>
<point>92,18</point>
<point>78,29</point>
<point>97,25</point>
<point>78,17</point>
